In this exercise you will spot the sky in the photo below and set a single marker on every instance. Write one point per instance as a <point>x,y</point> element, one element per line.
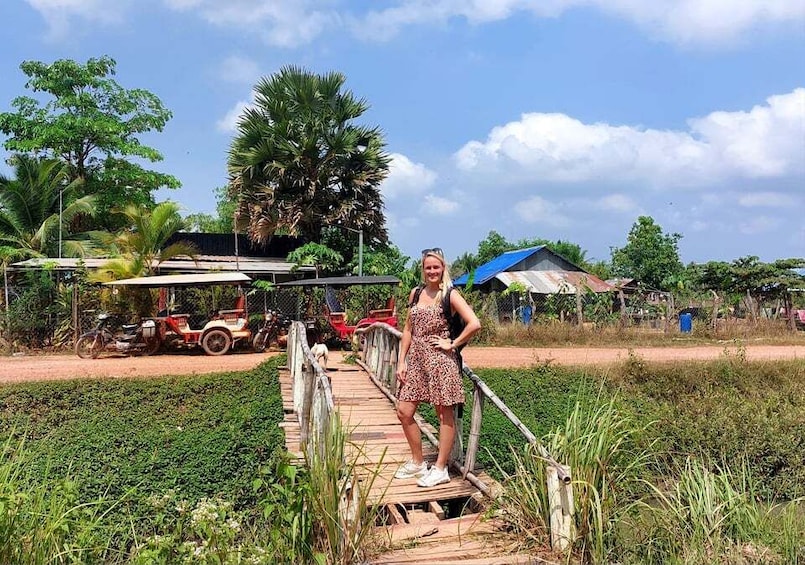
<point>555,119</point>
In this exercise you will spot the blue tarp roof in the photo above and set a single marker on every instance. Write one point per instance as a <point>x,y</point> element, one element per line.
<point>497,265</point>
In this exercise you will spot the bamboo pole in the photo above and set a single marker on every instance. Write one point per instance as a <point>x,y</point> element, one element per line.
<point>560,518</point>
<point>475,430</point>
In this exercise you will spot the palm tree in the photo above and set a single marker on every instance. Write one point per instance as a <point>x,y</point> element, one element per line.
<point>142,246</point>
<point>298,162</point>
<point>141,249</point>
<point>29,209</point>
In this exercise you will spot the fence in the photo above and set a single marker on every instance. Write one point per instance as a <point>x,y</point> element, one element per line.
<point>41,309</point>
<point>380,352</point>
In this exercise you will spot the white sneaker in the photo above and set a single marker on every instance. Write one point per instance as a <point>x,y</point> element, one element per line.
<point>434,477</point>
<point>410,470</point>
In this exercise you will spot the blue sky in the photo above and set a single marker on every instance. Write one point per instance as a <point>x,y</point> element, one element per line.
<point>558,119</point>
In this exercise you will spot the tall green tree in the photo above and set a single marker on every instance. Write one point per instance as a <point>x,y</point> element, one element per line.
<point>92,124</point>
<point>299,161</point>
<point>29,210</point>
<point>493,245</point>
<point>649,255</point>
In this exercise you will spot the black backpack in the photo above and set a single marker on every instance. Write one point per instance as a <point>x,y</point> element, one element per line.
<point>455,322</point>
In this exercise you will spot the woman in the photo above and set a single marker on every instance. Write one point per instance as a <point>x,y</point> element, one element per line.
<point>428,368</point>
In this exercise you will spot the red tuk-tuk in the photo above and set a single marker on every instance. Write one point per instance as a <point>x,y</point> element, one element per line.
<point>223,331</point>
<point>334,313</point>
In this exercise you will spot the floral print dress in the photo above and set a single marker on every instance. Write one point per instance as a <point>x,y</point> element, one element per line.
<point>434,375</point>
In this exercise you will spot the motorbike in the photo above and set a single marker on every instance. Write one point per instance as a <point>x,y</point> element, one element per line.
<point>274,328</point>
<point>111,335</point>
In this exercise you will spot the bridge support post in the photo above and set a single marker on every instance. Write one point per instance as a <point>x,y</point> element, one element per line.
<point>560,500</point>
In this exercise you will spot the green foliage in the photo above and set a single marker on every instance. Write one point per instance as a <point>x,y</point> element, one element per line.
<point>714,516</point>
<point>141,249</point>
<point>91,123</point>
<point>226,206</point>
<point>316,255</point>
<point>649,255</point>
<point>29,319</point>
<point>42,517</point>
<point>749,275</point>
<point>199,436</point>
<point>728,410</point>
<point>30,209</point>
<point>299,162</point>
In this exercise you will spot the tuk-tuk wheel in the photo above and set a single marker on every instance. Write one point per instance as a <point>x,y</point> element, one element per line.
<point>216,342</point>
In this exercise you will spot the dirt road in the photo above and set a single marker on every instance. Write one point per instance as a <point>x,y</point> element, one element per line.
<point>53,367</point>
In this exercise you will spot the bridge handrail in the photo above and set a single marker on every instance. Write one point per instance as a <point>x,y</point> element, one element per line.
<point>312,393</point>
<point>380,351</point>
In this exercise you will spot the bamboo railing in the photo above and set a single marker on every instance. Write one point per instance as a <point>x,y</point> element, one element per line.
<point>312,393</point>
<point>381,344</point>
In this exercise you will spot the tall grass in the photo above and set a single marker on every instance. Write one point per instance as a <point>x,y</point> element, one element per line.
<point>715,517</point>
<point>567,334</point>
<point>41,518</point>
<point>340,500</point>
<point>598,443</point>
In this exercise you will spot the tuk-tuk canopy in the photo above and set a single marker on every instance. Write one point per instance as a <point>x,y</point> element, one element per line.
<point>343,281</point>
<point>183,280</point>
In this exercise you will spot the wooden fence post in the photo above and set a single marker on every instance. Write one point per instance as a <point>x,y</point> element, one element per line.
<point>560,501</point>
<point>475,430</point>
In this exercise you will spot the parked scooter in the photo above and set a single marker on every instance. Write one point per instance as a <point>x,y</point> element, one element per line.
<point>111,335</point>
<point>274,328</point>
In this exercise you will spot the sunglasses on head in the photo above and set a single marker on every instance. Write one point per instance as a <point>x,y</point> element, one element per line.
<point>434,250</point>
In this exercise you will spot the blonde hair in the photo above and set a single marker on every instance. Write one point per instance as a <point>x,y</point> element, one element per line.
<point>447,281</point>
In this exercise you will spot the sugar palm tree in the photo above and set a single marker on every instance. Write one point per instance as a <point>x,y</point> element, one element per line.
<point>299,162</point>
<point>30,206</point>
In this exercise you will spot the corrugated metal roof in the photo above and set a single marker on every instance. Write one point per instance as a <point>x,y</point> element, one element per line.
<point>488,270</point>
<point>205,264</point>
<point>555,282</point>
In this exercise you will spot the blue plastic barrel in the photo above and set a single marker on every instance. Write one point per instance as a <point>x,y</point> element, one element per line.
<point>685,323</point>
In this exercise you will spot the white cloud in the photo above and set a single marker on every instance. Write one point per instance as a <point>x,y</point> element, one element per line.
<point>239,70</point>
<point>59,13</point>
<point>766,142</point>
<point>229,123</point>
<point>285,23</point>
<point>290,23</point>
<point>537,210</point>
<point>766,200</point>
<point>438,206</point>
<point>406,177</point>
<point>679,21</point>
<point>617,203</point>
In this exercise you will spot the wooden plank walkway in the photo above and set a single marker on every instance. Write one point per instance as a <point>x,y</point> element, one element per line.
<point>421,528</point>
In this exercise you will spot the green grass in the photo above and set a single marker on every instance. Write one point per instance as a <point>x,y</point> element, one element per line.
<point>130,440</point>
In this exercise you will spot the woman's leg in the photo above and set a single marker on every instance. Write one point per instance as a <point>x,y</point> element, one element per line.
<point>447,434</point>
<point>405,413</point>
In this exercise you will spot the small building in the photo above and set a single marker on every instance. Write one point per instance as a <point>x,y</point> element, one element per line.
<point>538,268</point>
<point>552,284</point>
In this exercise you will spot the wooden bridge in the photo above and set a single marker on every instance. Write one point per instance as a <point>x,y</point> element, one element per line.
<point>443,524</point>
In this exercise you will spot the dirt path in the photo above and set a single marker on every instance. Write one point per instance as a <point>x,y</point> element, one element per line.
<point>54,367</point>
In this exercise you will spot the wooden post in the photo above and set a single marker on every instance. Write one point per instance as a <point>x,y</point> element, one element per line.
<point>475,430</point>
<point>307,376</point>
<point>622,299</point>
<point>457,453</point>
<point>560,516</point>
<point>579,309</point>
<point>76,321</point>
